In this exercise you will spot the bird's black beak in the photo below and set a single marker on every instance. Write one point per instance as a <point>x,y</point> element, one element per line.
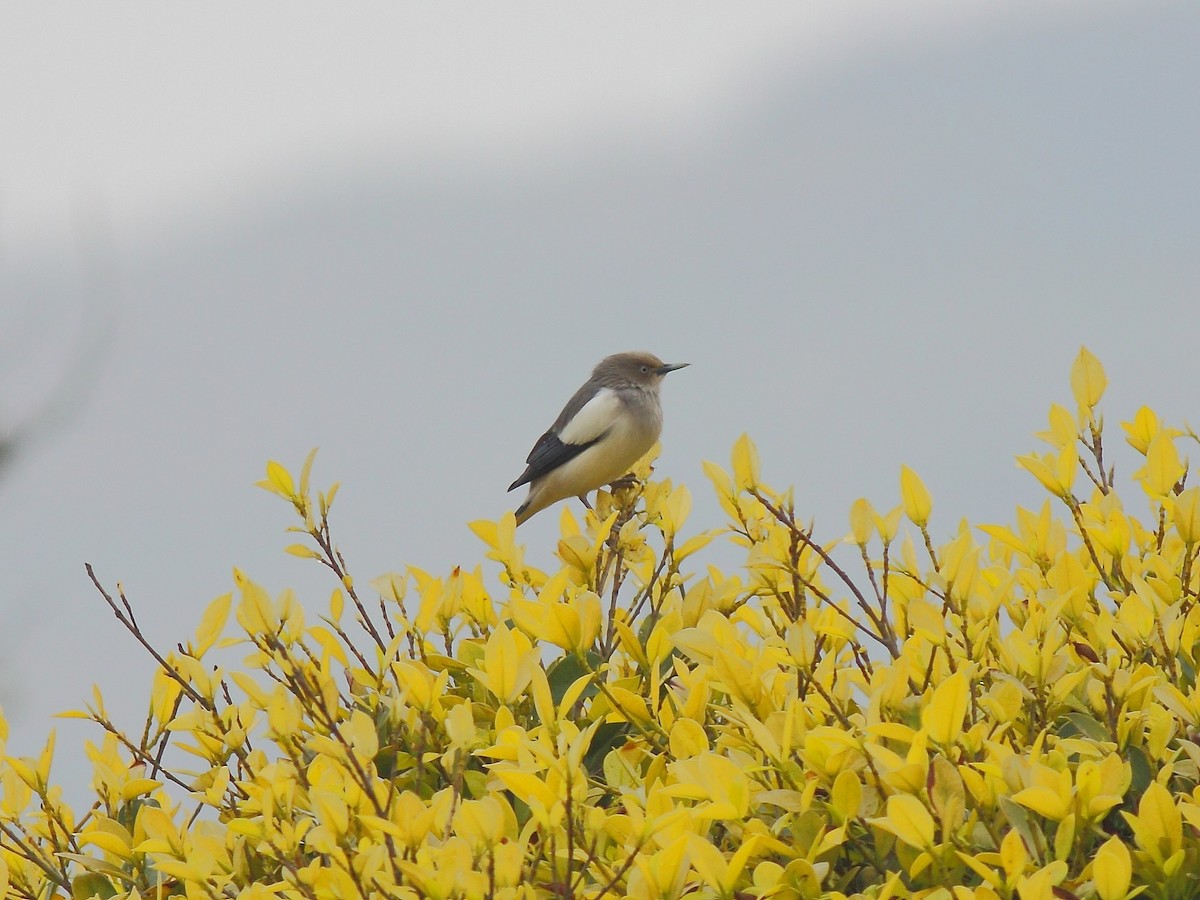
<point>670,367</point>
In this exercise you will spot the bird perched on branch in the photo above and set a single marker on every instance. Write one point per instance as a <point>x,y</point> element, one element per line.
<point>612,421</point>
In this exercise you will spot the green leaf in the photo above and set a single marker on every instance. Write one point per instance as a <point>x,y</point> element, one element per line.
<point>91,885</point>
<point>608,736</point>
<point>1019,819</point>
<point>1141,774</point>
<point>564,673</point>
<point>947,794</point>
<point>1078,723</point>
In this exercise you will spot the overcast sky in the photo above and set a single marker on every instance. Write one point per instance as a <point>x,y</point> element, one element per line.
<point>879,233</point>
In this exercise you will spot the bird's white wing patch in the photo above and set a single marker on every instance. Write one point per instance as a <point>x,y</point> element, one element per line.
<point>593,419</point>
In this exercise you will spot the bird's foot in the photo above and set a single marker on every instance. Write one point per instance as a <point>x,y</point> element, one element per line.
<point>625,481</point>
<point>584,500</point>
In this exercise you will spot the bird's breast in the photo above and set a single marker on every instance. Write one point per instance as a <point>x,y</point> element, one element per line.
<point>629,439</point>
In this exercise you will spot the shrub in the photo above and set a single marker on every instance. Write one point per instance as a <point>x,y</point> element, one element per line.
<point>1010,713</point>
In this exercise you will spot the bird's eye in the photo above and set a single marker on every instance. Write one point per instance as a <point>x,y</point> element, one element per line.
<point>645,369</point>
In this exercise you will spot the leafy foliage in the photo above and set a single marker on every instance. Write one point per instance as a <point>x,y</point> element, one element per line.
<point>1011,713</point>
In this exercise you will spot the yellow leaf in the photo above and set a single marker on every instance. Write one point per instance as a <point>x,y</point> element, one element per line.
<point>508,662</point>
<point>947,793</point>
<point>1004,536</point>
<point>1045,802</point>
<point>710,864</point>
<point>360,732</point>
<point>1064,837</point>
<point>927,620</point>
<point>332,811</point>
<point>306,470</point>
<point>1014,857</point>
<point>571,694</point>
<point>888,524</point>
<point>591,614</point>
<point>155,823</point>
<point>212,624</point>
<point>1185,513</point>
<point>164,697</point>
<point>676,509</point>
<point>326,499</point>
<point>719,478</point>
<point>420,686</point>
<point>659,644</point>
<point>715,778</point>
<point>1062,431</point>
<point>301,551</point>
<point>862,521</point>
<point>330,643</point>
<point>555,623</point>
<point>251,688</point>
<point>390,586</point>
<point>563,624</point>
<point>255,613</point>
<point>623,767</point>
<point>987,875</point>
<point>1046,470</point>
<point>1158,825</point>
<point>908,820</point>
<point>1066,465</point>
<point>45,758</point>
<point>631,644</point>
<point>337,604</point>
<point>687,739</point>
<point>487,531</point>
<point>1040,885</point>
<point>692,544</point>
<point>1163,467</point>
<point>539,690</point>
<point>379,824</point>
<point>108,842</point>
<point>528,787</point>
<point>280,480</point>
<point>1136,615</point>
<point>729,787</point>
<point>1087,379</point>
<point>745,463</point>
<point>480,822</point>
<point>1142,430</point>
<point>135,787</point>
<point>943,717</point>
<point>663,873</point>
<point>739,678</point>
<point>846,796</point>
<point>917,502</point>
<point>1111,870</point>
<point>413,818</point>
<point>629,706</point>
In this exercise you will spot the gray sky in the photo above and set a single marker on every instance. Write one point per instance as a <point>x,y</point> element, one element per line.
<point>879,233</point>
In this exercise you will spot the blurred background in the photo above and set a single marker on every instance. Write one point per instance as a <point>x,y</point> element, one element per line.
<point>404,233</point>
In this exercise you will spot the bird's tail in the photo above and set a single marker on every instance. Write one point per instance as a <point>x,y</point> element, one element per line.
<point>541,495</point>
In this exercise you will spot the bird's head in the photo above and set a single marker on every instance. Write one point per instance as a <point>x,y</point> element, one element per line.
<point>636,368</point>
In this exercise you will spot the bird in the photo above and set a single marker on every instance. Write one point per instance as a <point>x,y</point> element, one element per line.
<point>610,423</point>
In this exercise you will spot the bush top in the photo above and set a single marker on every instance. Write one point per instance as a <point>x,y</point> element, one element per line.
<point>1009,711</point>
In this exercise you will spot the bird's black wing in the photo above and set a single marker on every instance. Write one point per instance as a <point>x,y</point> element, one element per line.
<point>551,451</point>
<point>548,454</point>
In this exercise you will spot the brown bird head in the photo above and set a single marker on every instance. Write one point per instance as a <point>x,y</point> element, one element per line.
<point>634,369</point>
